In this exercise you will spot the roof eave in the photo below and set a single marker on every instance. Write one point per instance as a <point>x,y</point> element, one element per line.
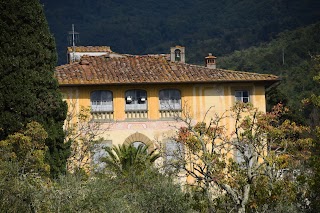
<point>267,83</point>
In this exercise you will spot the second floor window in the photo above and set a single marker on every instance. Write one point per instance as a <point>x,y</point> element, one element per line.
<point>136,100</point>
<point>242,96</point>
<point>170,99</point>
<point>101,100</point>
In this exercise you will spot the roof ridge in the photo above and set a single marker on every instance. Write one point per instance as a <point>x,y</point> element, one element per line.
<point>225,70</point>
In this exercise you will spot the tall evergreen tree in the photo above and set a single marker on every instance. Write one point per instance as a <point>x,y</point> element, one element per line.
<point>28,90</point>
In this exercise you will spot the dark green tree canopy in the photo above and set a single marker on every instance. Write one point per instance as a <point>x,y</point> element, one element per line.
<point>151,26</point>
<point>28,90</point>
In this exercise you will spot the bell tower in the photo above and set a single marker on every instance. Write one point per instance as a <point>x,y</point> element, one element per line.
<point>177,54</point>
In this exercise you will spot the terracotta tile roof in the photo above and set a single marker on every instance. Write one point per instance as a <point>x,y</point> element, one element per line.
<point>147,69</point>
<point>90,49</point>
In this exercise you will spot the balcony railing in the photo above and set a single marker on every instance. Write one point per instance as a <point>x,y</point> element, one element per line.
<point>137,114</point>
<point>170,113</point>
<point>101,116</point>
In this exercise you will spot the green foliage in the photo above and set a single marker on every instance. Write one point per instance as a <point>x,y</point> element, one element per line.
<point>17,192</point>
<point>127,160</point>
<point>315,97</point>
<point>290,56</point>
<point>22,168</point>
<point>154,192</point>
<point>249,166</point>
<point>314,162</point>
<point>27,150</point>
<point>28,90</point>
<point>281,194</point>
<point>82,133</point>
<point>148,192</point>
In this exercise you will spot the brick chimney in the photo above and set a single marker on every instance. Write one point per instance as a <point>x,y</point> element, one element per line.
<point>211,61</point>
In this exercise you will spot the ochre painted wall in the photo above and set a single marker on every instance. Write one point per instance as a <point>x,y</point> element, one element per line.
<point>196,99</point>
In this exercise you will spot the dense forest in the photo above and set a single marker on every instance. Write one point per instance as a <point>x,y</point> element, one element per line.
<point>203,26</point>
<point>290,56</point>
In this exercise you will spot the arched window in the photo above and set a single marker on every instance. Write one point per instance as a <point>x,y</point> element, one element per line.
<point>177,55</point>
<point>136,144</point>
<point>101,101</point>
<point>136,100</point>
<point>170,99</point>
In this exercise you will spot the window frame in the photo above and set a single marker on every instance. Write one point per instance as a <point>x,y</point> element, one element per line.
<point>239,157</point>
<point>136,144</point>
<point>106,105</point>
<point>175,155</point>
<point>99,152</point>
<point>242,97</point>
<point>137,103</point>
<point>169,103</point>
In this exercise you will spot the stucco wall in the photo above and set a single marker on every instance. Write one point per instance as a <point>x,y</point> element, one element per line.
<point>196,100</point>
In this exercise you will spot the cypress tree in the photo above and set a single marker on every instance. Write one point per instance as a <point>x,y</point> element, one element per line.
<point>28,89</point>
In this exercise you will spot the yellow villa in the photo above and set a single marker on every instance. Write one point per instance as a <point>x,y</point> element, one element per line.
<point>136,97</point>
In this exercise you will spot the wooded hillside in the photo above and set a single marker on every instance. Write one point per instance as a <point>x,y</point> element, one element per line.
<point>289,56</point>
<point>203,26</point>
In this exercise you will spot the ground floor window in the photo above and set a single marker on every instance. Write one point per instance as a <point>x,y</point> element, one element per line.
<point>98,153</point>
<point>136,144</point>
<point>173,154</point>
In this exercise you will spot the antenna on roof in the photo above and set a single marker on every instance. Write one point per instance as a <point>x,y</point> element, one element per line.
<point>73,38</point>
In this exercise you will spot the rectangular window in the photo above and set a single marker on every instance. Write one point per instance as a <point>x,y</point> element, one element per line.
<point>239,156</point>
<point>101,101</point>
<point>170,99</point>
<point>136,100</point>
<point>242,96</point>
<point>173,154</point>
<point>98,153</point>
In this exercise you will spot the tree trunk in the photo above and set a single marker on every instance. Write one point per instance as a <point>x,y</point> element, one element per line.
<point>245,199</point>
<point>242,209</point>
